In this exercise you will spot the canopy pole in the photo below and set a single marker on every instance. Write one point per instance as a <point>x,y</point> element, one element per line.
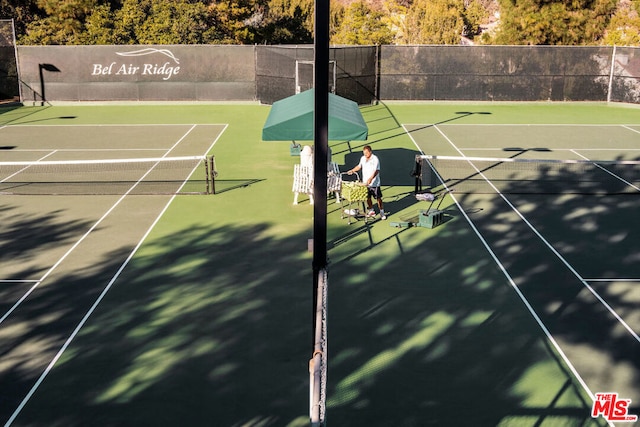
<point>321,149</point>
<point>321,145</point>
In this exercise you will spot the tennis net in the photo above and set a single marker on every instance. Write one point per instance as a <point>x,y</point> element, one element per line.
<point>526,176</point>
<point>318,362</point>
<point>163,175</point>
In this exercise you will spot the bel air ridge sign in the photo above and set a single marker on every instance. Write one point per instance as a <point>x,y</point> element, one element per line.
<point>163,69</point>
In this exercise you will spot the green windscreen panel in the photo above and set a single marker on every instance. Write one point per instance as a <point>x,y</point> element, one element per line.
<point>291,119</point>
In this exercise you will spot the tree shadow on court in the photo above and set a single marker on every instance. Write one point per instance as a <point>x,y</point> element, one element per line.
<point>211,325</point>
<point>465,350</point>
<point>583,292</point>
<point>25,234</point>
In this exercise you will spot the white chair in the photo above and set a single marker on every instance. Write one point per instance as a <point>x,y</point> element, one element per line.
<point>303,177</point>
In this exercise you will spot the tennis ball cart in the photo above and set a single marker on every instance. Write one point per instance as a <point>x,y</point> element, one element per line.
<point>353,194</point>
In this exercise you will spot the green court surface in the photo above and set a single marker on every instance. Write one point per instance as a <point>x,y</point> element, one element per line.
<point>196,310</point>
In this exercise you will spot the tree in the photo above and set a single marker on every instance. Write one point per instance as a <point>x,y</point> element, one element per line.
<point>162,22</point>
<point>435,22</point>
<point>22,12</point>
<point>534,22</point>
<point>474,15</point>
<point>394,17</point>
<point>100,27</point>
<point>542,22</point>
<point>283,29</point>
<point>624,27</point>
<point>362,26</point>
<point>237,20</point>
<point>63,23</point>
<point>283,21</point>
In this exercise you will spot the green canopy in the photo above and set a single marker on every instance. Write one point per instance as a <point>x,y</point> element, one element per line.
<point>291,119</point>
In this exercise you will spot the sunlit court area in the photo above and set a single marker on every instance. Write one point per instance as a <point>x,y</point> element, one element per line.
<point>159,237</point>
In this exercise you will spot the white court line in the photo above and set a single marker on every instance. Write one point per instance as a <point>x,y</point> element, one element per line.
<point>18,281</point>
<point>428,125</point>
<point>550,246</point>
<point>85,235</point>
<point>26,150</point>
<point>114,125</point>
<point>552,149</point>
<point>515,287</point>
<point>84,320</point>
<point>27,167</point>
<point>69,125</point>
<point>608,171</point>
<point>630,128</point>
<point>616,279</point>
<point>36,282</point>
<point>104,292</point>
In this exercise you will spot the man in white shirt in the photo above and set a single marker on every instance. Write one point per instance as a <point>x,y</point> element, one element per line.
<point>370,166</point>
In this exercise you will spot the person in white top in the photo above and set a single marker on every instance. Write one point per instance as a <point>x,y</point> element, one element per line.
<point>370,166</point>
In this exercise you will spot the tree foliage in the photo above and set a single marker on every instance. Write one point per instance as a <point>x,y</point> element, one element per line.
<point>63,22</point>
<point>362,25</point>
<point>288,21</point>
<point>163,22</point>
<point>435,22</point>
<point>543,22</point>
<point>624,27</point>
<point>22,11</point>
<point>533,22</point>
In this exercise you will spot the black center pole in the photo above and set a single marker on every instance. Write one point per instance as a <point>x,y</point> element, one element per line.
<point>321,145</point>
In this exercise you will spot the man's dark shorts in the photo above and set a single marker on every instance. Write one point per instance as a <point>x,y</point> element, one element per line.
<point>375,192</point>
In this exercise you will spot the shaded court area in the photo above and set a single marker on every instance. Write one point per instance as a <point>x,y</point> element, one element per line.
<point>53,276</point>
<point>463,350</point>
<point>61,254</point>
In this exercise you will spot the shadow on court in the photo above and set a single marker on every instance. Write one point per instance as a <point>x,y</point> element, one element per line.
<point>224,185</point>
<point>192,335</point>
<point>211,325</point>
<point>382,121</point>
<point>15,114</point>
<point>465,349</point>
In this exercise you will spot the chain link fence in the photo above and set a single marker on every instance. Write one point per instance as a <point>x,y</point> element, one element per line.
<point>364,74</point>
<point>495,73</point>
<point>283,71</point>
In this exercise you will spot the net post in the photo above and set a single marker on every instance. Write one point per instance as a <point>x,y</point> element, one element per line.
<point>206,173</point>
<point>417,173</point>
<point>212,173</point>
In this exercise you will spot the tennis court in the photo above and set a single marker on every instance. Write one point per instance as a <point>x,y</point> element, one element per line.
<point>163,309</point>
